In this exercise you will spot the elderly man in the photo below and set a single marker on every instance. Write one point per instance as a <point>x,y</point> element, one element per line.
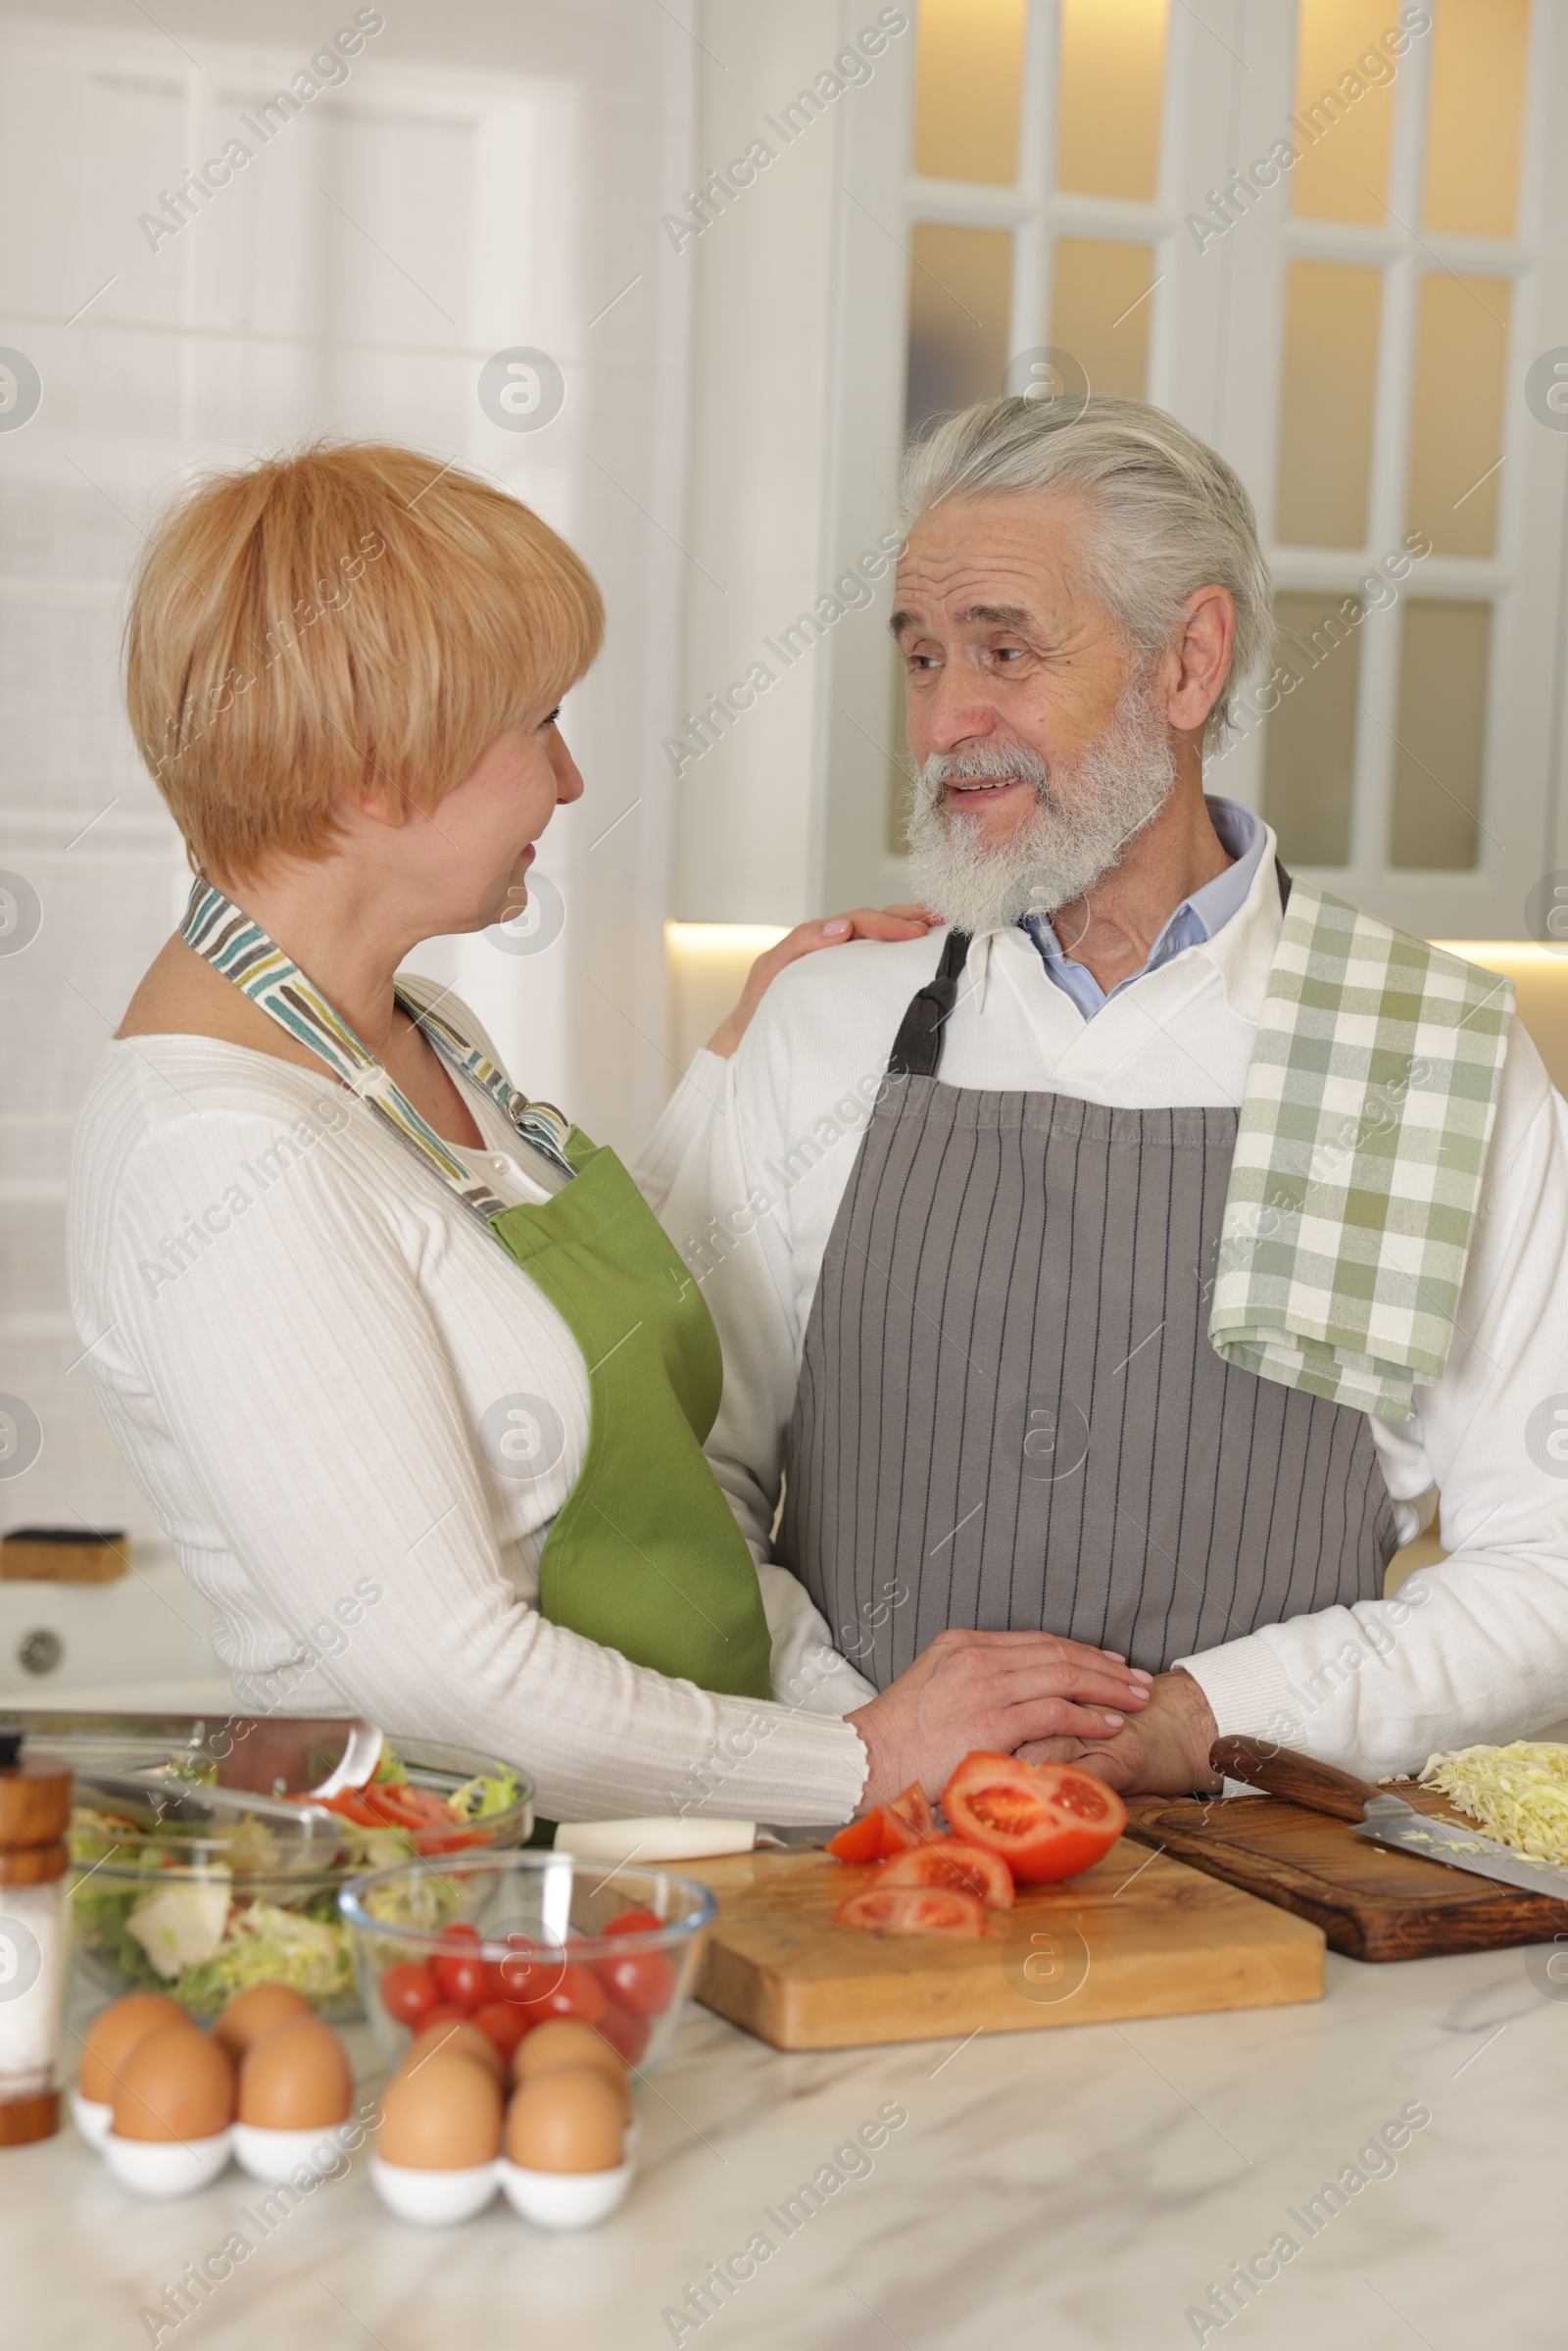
<point>1203,1230</point>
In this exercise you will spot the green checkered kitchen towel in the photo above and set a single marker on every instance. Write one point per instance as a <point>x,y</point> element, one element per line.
<point>1364,1126</point>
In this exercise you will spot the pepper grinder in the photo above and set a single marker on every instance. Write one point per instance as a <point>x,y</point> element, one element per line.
<point>35,1816</point>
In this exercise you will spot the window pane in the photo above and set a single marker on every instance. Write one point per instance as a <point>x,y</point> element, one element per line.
<point>1331,355</point>
<point>1475,116</point>
<point>1442,735</point>
<point>1310,752</point>
<point>960,298</point>
<point>1461,351</point>
<point>968,80</point>
<point>1344,125</point>
<point>1112,84</point>
<point>1099,310</point>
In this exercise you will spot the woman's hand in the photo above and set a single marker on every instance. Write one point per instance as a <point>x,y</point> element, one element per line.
<point>1164,1752</point>
<point>867,922</point>
<point>991,1689</point>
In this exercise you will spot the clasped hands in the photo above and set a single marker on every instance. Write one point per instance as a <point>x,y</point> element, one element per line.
<point>1045,1700</point>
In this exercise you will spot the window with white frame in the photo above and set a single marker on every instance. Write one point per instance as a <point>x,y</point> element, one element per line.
<point>1329,239</point>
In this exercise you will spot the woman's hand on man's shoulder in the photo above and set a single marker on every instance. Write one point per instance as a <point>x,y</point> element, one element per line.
<point>893,923</point>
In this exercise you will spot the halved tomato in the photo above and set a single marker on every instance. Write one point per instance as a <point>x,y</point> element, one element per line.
<point>946,1862</point>
<point>1048,1821</point>
<point>886,1829</point>
<point>911,1910</point>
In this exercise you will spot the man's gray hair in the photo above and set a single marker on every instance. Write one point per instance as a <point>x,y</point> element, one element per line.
<point>1170,515</point>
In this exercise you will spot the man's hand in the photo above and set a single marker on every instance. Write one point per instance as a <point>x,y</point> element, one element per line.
<point>1162,1753</point>
<point>991,1689</point>
<point>867,922</point>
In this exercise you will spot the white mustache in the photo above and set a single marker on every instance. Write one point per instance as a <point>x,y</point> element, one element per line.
<point>985,764</point>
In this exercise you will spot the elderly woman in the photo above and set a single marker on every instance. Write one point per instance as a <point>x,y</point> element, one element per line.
<point>404,1362</point>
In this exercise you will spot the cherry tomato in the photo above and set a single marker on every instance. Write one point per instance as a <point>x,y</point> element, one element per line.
<point>409,1993</point>
<point>890,1829</point>
<point>628,2035</point>
<point>529,1970</point>
<point>446,2014</point>
<point>642,1981</point>
<point>576,1993</point>
<point>1048,1821</point>
<point>465,1980</point>
<point>911,1910</point>
<point>635,1921</point>
<point>503,2022</point>
<point>946,1862</point>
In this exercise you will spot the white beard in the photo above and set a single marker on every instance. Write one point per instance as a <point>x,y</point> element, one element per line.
<point>1088,812</point>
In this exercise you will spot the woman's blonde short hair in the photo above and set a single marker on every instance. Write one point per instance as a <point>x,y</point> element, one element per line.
<point>353,615</point>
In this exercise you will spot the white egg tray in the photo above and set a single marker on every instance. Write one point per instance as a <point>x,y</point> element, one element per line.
<point>553,2200</point>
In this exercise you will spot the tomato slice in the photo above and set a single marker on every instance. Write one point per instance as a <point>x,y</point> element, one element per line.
<point>888,1828</point>
<point>911,1910</point>
<point>945,1862</point>
<point>862,1839</point>
<point>908,1820</point>
<point>1048,1821</point>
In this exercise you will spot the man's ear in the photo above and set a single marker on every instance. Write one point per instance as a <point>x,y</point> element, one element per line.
<point>1204,649</point>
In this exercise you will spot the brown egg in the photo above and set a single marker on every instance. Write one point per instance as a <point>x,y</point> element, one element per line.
<point>567,2120</point>
<point>457,2041</point>
<point>252,2013</point>
<point>295,2078</point>
<point>114,2032</point>
<point>563,2041</point>
<point>445,2117</point>
<point>175,2083</point>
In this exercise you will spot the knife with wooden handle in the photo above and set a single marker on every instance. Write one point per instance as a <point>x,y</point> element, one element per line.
<point>1379,1815</point>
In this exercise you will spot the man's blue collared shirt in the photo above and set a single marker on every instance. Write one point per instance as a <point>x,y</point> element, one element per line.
<point>1195,919</point>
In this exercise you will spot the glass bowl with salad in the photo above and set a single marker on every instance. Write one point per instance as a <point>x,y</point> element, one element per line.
<point>508,1942</point>
<point>182,1885</point>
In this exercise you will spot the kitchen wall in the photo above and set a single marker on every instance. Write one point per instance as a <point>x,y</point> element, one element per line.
<point>470,181</point>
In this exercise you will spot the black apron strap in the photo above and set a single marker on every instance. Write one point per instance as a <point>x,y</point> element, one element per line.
<point>917,1046</point>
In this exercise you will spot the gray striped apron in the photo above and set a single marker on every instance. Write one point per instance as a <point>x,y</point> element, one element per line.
<point>1010,1414</point>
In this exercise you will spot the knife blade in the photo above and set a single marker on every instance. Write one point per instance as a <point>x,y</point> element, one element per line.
<point>1382,1818</point>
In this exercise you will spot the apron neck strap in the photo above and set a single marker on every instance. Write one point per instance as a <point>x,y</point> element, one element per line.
<point>238,948</point>
<point>917,1046</point>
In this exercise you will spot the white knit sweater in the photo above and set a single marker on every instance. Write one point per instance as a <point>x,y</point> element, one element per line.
<point>296,1333</point>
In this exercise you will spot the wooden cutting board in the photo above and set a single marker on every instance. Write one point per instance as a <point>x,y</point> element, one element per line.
<point>1133,1937</point>
<point>1371,1904</point>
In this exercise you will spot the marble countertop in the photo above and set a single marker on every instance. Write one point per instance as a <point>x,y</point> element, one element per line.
<point>1072,2189</point>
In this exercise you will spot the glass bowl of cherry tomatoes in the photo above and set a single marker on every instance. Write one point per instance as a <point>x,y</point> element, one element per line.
<point>507,1940</point>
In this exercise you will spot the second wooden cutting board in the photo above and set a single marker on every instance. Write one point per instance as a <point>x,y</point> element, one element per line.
<point>1133,1937</point>
<point>1371,1904</point>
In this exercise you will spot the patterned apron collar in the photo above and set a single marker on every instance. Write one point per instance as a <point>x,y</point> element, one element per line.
<point>237,947</point>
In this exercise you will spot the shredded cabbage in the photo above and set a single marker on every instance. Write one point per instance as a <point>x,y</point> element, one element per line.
<point>1517,1794</point>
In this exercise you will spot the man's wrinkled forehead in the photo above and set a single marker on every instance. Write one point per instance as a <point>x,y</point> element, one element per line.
<point>991,562</point>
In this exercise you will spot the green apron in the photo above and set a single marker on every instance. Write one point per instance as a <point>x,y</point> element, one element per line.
<point>644,1555</point>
